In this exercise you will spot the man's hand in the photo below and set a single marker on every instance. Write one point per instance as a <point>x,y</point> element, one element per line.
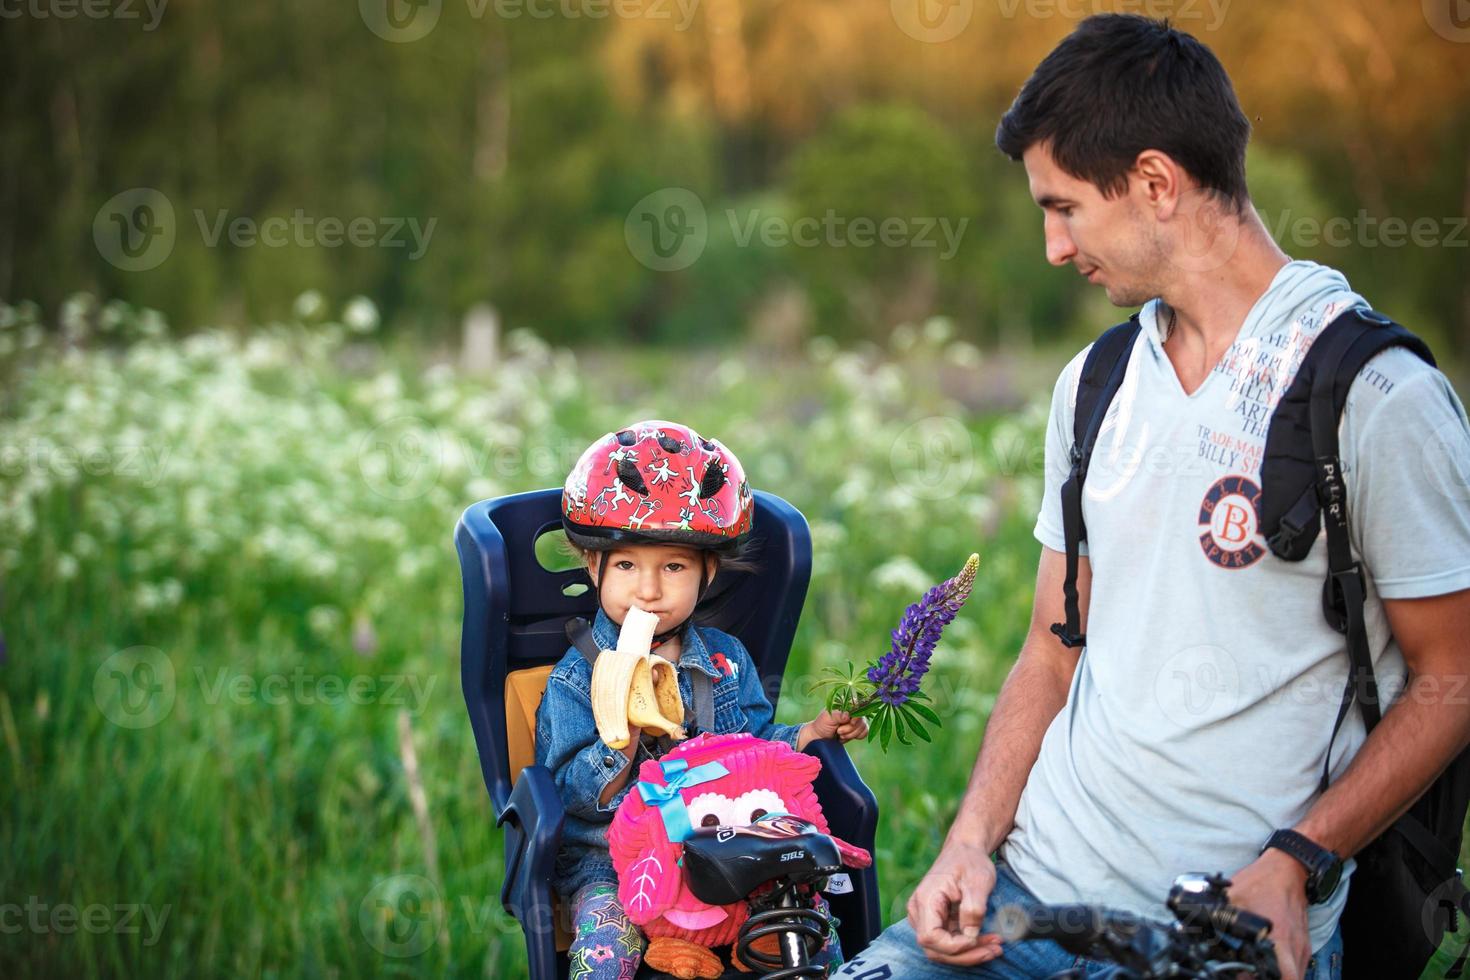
<point>832,724</point>
<point>947,910</point>
<point>1275,885</point>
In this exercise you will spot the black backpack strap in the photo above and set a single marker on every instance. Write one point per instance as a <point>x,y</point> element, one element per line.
<point>1102,376</point>
<point>1296,501</point>
<point>1344,592</point>
<point>1357,336</point>
<point>1290,505</point>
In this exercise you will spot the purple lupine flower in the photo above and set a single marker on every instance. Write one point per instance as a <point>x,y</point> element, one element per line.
<point>898,673</point>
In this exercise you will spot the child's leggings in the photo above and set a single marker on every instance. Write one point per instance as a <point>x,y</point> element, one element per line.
<point>606,945</point>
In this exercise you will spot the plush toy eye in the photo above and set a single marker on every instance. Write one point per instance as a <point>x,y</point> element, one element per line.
<point>712,810</point>
<point>753,804</point>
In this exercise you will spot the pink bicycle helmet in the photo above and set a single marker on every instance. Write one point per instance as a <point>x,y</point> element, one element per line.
<point>657,482</point>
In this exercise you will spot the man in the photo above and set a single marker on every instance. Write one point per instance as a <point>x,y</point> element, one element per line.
<point>1196,721</point>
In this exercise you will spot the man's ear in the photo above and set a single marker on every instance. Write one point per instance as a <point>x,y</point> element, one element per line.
<point>592,560</point>
<point>1163,181</point>
<point>711,568</point>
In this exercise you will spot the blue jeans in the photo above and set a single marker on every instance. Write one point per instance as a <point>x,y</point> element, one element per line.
<point>896,953</point>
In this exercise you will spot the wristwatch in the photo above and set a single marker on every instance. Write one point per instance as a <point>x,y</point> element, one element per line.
<point>1324,868</point>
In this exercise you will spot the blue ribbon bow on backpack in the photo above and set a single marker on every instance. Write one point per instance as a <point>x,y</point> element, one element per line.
<point>677,776</point>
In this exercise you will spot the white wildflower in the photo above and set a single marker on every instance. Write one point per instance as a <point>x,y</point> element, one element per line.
<point>938,330</point>
<point>360,315</point>
<point>963,354</point>
<point>151,324</point>
<point>821,349</point>
<point>324,620</point>
<point>309,305</point>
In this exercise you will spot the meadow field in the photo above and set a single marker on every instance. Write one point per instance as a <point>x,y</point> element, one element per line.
<point>234,740</point>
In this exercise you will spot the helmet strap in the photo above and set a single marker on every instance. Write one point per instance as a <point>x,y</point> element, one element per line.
<point>597,582</point>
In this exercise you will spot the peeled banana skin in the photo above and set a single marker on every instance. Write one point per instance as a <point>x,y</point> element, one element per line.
<point>631,684</point>
<point>612,676</point>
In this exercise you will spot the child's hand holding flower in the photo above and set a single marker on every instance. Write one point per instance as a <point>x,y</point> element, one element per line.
<point>832,724</point>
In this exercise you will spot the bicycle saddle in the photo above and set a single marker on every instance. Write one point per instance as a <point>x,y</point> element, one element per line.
<point>723,865</point>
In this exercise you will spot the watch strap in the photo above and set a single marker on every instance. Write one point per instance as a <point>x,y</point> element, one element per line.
<point>1318,860</point>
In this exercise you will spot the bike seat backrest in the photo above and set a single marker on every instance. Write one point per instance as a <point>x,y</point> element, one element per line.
<point>723,865</point>
<point>516,611</point>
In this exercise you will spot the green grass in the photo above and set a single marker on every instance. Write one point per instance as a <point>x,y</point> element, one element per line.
<point>296,530</point>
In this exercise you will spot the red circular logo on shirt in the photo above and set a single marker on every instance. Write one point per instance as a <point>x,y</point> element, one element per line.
<point>1230,516</point>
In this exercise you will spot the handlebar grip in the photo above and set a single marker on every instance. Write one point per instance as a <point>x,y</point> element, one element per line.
<point>1076,928</point>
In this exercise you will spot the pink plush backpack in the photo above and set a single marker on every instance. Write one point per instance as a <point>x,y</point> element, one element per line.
<point>709,780</point>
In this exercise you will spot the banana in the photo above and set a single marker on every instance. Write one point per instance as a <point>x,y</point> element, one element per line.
<point>643,706</point>
<point>666,689</point>
<point>612,676</point>
<point>631,684</point>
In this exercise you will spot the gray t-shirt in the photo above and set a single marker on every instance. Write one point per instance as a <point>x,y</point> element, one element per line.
<point>1201,709</point>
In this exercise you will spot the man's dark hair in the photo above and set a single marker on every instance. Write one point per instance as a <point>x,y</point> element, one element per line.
<point>1120,84</point>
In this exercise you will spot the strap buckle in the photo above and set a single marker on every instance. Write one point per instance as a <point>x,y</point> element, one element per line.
<point>1079,464</point>
<point>1070,639</point>
<point>1334,594</point>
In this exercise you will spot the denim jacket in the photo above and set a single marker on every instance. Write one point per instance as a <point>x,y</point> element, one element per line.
<point>582,764</point>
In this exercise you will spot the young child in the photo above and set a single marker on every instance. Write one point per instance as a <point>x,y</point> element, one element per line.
<point>655,510</point>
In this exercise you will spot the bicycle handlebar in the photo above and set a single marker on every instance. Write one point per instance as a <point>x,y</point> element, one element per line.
<point>1209,936</point>
<point>1076,928</point>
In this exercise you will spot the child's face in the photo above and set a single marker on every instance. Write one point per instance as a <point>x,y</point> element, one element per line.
<point>661,579</point>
